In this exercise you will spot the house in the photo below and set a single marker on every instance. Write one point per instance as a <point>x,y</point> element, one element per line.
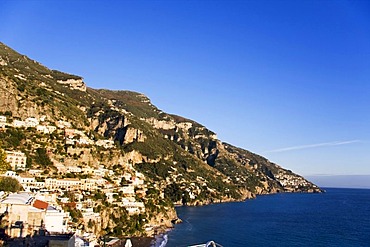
<point>127,190</point>
<point>35,172</point>
<point>68,183</point>
<point>27,182</point>
<point>16,159</point>
<point>70,141</point>
<point>32,122</point>
<point>19,124</point>
<point>45,196</point>
<point>22,218</point>
<point>12,174</point>
<point>56,220</point>
<point>88,214</point>
<point>60,167</point>
<point>84,141</point>
<point>74,169</point>
<point>2,119</point>
<point>105,143</point>
<point>110,196</point>
<point>132,206</point>
<point>91,183</point>
<point>42,128</point>
<point>51,128</point>
<point>70,133</point>
<point>46,129</point>
<point>138,179</point>
<point>63,124</point>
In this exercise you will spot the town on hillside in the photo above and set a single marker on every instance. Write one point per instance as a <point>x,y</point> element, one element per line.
<point>70,202</point>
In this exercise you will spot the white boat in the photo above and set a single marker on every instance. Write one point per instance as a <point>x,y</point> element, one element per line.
<point>208,244</point>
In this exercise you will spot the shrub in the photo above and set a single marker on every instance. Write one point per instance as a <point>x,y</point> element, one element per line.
<point>10,184</point>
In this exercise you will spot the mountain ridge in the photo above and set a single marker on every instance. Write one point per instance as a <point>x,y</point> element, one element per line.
<point>182,161</point>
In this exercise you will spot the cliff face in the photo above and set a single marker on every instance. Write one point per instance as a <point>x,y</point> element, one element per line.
<point>179,156</point>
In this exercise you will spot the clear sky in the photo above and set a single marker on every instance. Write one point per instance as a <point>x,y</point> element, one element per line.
<point>289,80</point>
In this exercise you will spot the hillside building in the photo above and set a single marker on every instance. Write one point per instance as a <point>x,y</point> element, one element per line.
<point>21,218</point>
<point>16,159</point>
<point>19,124</point>
<point>32,122</point>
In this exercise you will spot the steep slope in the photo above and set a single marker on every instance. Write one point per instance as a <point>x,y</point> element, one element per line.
<point>180,157</point>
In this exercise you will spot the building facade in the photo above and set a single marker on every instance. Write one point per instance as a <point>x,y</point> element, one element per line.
<point>16,159</point>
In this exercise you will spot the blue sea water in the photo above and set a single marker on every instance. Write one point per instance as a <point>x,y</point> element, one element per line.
<point>339,217</point>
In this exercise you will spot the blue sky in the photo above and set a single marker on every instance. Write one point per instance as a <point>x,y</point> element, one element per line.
<point>285,79</point>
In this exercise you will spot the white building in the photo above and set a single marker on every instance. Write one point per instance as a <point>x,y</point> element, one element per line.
<point>128,190</point>
<point>63,124</point>
<point>84,141</point>
<point>21,213</point>
<point>35,172</point>
<point>2,119</point>
<point>88,214</point>
<point>55,220</point>
<point>133,207</point>
<point>18,124</point>
<point>91,183</point>
<point>46,129</point>
<point>74,169</point>
<point>27,182</point>
<point>68,184</point>
<point>12,174</point>
<point>32,122</point>
<point>105,143</point>
<point>16,159</point>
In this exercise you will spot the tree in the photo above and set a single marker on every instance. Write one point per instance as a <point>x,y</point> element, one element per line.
<point>10,184</point>
<point>4,166</point>
<point>42,158</point>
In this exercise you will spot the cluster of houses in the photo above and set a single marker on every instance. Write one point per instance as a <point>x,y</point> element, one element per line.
<point>37,214</point>
<point>72,136</point>
<point>26,213</point>
<point>134,184</point>
<point>40,206</point>
<point>291,182</point>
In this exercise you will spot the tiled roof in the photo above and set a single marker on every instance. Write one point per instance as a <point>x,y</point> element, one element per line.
<point>40,204</point>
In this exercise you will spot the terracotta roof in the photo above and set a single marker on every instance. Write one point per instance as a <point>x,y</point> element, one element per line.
<point>40,204</point>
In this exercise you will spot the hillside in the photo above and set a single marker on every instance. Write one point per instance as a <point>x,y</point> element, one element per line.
<point>182,161</point>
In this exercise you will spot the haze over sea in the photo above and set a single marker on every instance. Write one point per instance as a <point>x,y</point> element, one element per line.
<point>339,217</point>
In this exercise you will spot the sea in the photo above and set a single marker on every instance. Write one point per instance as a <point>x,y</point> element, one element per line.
<point>339,217</point>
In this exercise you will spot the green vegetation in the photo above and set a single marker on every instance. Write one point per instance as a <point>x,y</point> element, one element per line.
<point>12,138</point>
<point>10,184</point>
<point>42,158</point>
<point>133,102</point>
<point>4,166</point>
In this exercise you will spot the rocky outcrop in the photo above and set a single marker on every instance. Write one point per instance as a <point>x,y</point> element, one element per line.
<point>162,124</point>
<point>74,84</point>
<point>8,96</point>
<point>133,135</point>
<point>3,62</point>
<point>20,105</point>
